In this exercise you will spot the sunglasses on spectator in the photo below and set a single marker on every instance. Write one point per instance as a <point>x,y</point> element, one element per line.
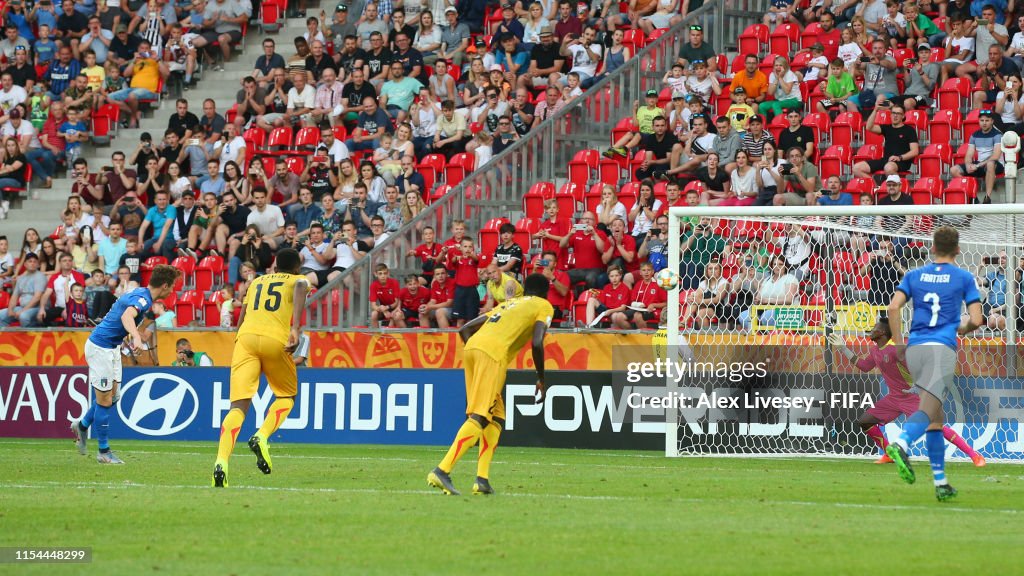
<point>697,28</point>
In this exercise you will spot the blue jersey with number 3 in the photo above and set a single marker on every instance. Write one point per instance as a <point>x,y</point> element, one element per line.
<point>937,292</point>
<point>110,331</point>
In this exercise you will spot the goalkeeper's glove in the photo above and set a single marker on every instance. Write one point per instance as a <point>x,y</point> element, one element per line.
<point>839,342</point>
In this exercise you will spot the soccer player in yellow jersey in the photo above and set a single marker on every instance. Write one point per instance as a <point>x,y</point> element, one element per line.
<point>492,341</point>
<point>268,331</point>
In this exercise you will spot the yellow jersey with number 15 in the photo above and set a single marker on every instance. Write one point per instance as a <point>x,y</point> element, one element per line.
<point>510,326</point>
<point>268,304</point>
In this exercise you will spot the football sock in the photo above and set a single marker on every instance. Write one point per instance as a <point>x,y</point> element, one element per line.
<point>229,433</point>
<point>956,440</point>
<point>936,455</point>
<point>90,415</point>
<point>876,434</point>
<point>465,438</point>
<point>488,442</point>
<point>103,426</point>
<point>276,414</point>
<point>913,429</point>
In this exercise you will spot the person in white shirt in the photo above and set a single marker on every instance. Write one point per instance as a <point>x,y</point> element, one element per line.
<point>10,95</point>
<point>233,148</point>
<point>336,149</point>
<point>268,218</point>
<point>317,255</point>
<point>18,127</point>
<point>586,54</point>
<point>301,101</point>
<point>778,289</point>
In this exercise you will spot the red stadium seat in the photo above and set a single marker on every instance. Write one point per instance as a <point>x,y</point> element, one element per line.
<point>279,143</point>
<point>819,124</point>
<point>211,308</point>
<point>944,127</point>
<point>954,94</point>
<point>188,307</point>
<point>858,186</point>
<point>523,236</point>
<point>296,164</point>
<point>809,35</point>
<point>490,236</point>
<point>751,40</point>
<point>919,120</point>
<point>209,273</point>
<point>960,154</point>
<point>925,190</point>
<point>533,200</point>
<point>935,160</point>
<point>784,38</point>
<point>971,125</point>
<point>431,167</point>
<point>868,152</point>
<point>146,270</point>
<point>848,129</point>
<point>307,140</point>
<point>882,117</point>
<point>187,266</point>
<point>960,190</point>
<point>609,171</point>
<point>456,170</point>
<point>584,163</point>
<point>836,161</point>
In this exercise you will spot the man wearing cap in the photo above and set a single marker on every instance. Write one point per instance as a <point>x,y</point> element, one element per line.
<point>894,196</point>
<point>756,137</point>
<point>567,23</point>
<point>545,61</point>
<point>123,46</point>
<point>644,116</point>
<point>340,27</point>
<point>697,49</point>
<point>983,153</point>
<point>899,150</point>
<point>922,74</point>
<point>511,58</point>
<point>509,23</point>
<point>454,37</point>
<point>21,130</point>
<point>752,80</point>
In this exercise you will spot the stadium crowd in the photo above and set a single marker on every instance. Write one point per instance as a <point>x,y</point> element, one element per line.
<point>336,145</point>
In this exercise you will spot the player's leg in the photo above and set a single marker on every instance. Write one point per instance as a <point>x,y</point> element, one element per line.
<point>283,381</point>
<point>872,426</point>
<point>957,440</point>
<point>245,378</point>
<point>489,442</point>
<point>480,370</point>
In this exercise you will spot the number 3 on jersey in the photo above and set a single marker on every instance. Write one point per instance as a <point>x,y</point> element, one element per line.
<point>273,300</point>
<point>933,299</point>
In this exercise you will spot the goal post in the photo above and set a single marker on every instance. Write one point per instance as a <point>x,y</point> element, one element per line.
<point>768,285</point>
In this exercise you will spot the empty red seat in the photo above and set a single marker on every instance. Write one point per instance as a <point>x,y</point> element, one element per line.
<point>209,273</point>
<point>925,190</point>
<point>960,190</point>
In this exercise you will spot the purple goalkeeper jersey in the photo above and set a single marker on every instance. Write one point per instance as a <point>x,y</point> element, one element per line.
<point>891,364</point>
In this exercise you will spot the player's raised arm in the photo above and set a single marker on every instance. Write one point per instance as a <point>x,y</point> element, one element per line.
<point>975,319</point>
<point>471,327</point>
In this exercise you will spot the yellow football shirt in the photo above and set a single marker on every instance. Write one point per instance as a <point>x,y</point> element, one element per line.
<point>499,290</point>
<point>510,326</point>
<point>269,303</point>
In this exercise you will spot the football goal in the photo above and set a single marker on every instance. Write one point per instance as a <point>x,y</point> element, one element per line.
<point>769,295</point>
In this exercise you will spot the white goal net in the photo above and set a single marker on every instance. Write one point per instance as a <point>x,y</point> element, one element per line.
<point>762,290</point>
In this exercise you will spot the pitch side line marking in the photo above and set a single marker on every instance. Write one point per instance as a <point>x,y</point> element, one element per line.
<point>129,484</point>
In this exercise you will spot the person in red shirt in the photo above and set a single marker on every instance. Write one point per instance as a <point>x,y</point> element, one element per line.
<point>466,305</point>
<point>559,293</point>
<point>58,290</point>
<point>621,248</point>
<point>412,298</point>
<point>442,295</point>
<point>429,252</point>
<point>384,292</point>
<point>552,230</point>
<point>588,244</point>
<point>452,246</point>
<point>611,303</point>
<point>648,294</point>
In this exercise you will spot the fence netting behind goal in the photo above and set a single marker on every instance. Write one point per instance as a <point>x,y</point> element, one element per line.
<point>760,297</point>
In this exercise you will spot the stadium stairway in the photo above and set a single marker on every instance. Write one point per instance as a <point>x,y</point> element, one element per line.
<point>41,209</point>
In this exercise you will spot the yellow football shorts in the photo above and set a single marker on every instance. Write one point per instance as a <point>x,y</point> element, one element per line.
<point>485,379</point>
<point>254,355</point>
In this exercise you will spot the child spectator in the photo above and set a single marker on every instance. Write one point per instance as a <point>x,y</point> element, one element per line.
<point>162,317</point>
<point>44,47</point>
<point>648,296</point>
<point>739,111</point>
<point>74,132</point>
<point>467,300</point>
<point>442,297</point>
<point>508,256</point>
<point>676,78</point>
<point>384,302</point>
<point>609,304</point>
<point>413,298</point>
<point>817,67</point>
<point>227,307</point>
<point>76,311</point>
<point>429,254</point>
<point>552,230</point>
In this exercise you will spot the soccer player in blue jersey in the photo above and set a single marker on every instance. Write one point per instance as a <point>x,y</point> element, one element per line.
<point>103,355</point>
<point>937,291</point>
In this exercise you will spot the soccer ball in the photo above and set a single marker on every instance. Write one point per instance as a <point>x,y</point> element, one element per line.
<point>667,279</point>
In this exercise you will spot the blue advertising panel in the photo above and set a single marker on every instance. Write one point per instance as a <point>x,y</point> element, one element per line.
<point>334,406</point>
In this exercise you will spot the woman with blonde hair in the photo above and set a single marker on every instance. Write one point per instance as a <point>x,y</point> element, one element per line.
<point>412,205</point>
<point>785,85</point>
<point>609,208</point>
<point>347,178</point>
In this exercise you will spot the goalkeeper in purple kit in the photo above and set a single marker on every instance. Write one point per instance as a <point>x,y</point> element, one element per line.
<point>937,292</point>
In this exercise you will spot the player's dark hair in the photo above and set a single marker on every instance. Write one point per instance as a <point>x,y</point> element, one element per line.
<point>164,275</point>
<point>536,285</point>
<point>883,322</point>
<point>507,228</point>
<point>288,261</point>
<point>379,267</point>
<point>946,241</point>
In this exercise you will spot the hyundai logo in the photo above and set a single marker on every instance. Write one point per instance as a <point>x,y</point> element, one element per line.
<point>158,404</point>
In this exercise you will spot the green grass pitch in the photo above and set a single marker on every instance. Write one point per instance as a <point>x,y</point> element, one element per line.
<point>367,510</point>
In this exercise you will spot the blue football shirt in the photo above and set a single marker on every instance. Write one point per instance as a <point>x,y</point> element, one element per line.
<point>937,292</point>
<point>110,332</point>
